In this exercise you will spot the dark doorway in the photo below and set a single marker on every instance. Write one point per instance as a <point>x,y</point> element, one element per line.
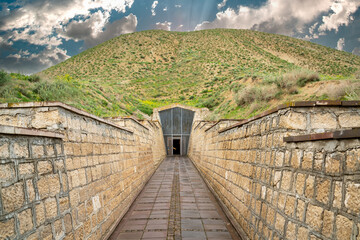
<point>176,147</point>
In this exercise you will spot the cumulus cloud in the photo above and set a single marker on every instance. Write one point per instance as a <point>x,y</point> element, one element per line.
<point>356,51</point>
<point>341,15</point>
<point>165,9</point>
<point>37,21</point>
<point>91,29</point>
<point>164,25</point>
<point>153,6</point>
<point>180,27</point>
<point>27,63</point>
<point>178,6</point>
<point>285,17</point>
<point>340,44</point>
<point>222,4</point>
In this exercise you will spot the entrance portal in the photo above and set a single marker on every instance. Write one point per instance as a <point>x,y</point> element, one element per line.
<point>176,124</point>
<point>176,147</point>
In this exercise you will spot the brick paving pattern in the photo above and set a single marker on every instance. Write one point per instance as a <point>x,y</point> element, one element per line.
<point>175,204</point>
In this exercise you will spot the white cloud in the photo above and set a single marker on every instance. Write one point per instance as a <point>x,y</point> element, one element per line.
<point>153,6</point>
<point>27,63</point>
<point>178,6</point>
<point>356,51</point>
<point>180,27</point>
<point>342,10</point>
<point>164,25</point>
<point>283,16</point>
<point>37,21</point>
<point>91,30</point>
<point>165,9</point>
<point>222,4</point>
<point>340,44</point>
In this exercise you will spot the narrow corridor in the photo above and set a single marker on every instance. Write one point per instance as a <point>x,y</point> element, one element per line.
<point>175,204</point>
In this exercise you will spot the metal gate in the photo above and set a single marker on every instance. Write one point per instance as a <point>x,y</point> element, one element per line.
<point>176,125</point>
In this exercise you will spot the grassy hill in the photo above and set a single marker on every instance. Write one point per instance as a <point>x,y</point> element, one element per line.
<point>235,73</point>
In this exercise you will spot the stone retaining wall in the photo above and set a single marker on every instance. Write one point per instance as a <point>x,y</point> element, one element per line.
<point>76,183</point>
<point>272,189</point>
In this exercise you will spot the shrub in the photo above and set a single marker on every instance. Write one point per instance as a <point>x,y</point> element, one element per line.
<point>33,78</point>
<point>251,94</point>
<point>4,77</point>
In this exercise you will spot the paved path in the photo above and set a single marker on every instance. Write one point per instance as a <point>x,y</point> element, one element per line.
<point>175,204</point>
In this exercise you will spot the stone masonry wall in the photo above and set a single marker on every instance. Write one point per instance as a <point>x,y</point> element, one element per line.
<point>104,167</point>
<point>277,190</point>
<point>34,192</point>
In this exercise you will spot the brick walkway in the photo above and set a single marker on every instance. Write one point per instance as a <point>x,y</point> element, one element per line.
<point>175,204</point>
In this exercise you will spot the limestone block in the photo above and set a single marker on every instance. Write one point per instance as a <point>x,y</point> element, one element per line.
<point>300,209</point>
<point>26,169</point>
<point>58,229</point>
<point>352,199</point>
<point>46,232</point>
<point>7,229</point>
<point>21,150</point>
<point>338,195</point>
<point>7,172</point>
<point>38,151</point>
<point>59,151</point>
<point>4,150</point>
<point>323,121</point>
<point>318,161</point>
<point>349,120</point>
<point>307,160</point>
<point>290,205</point>
<point>314,217</point>
<point>44,167</point>
<point>352,160</point>
<point>309,187</point>
<point>49,119</point>
<point>300,183</point>
<point>286,182</point>
<point>291,231</point>
<point>50,208</point>
<point>280,223</point>
<point>296,158</point>
<point>30,190</point>
<point>25,220</point>
<point>59,165</point>
<point>323,190</point>
<point>279,159</point>
<point>68,223</point>
<point>40,214</point>
<point>63,204</point>
<point>48,186</point>
<point>50,152</point>
<point>13,196</point>
<point>343,227</point>
<point>328,224</point>
<point>293,120</point>
<point>333,163</point>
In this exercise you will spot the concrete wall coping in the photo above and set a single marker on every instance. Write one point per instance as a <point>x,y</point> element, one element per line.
<point>222,120</point>
<point>61,105</point>
<point>128,118</point>
<point>324,103</point>
<point>29,132</point>
<point>342,134</point>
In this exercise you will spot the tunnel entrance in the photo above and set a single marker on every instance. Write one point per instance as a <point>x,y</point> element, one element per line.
<point>176,124</point>
<point>176,147</point>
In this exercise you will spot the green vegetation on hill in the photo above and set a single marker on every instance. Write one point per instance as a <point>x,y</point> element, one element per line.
<point>235,73</point>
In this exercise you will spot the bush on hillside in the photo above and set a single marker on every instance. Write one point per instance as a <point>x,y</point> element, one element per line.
<point>4,77</point>
<point>33,78</point>
<point>289,82</point>
<point>255,94</point>
<point>63,87</point>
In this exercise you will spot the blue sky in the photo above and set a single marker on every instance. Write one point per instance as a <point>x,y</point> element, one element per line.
<point>36,34</point>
